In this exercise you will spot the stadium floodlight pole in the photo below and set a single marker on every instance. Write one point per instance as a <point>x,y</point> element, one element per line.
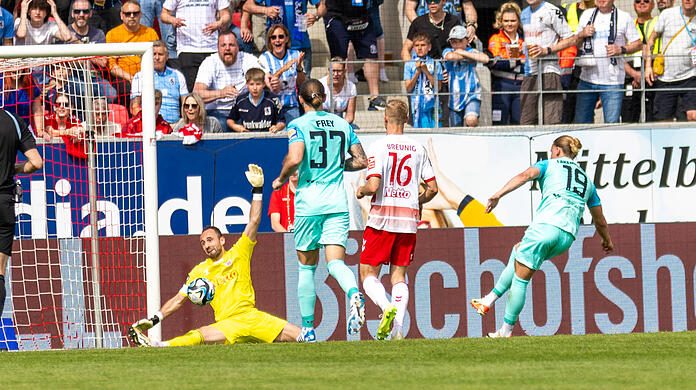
<point>149,145</point>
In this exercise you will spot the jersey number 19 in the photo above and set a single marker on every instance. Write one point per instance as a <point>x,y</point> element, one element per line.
<point>576,176</point>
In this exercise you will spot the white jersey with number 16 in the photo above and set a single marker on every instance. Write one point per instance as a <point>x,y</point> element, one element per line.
<point>400,163</point>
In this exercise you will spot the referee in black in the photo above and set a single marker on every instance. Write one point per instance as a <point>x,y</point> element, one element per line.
<point>14,137</point>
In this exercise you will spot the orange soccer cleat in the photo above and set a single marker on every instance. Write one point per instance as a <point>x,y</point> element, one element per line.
<point>480,307</point>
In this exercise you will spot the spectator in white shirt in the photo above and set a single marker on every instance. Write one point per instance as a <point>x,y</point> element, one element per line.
<point>615,34</point>
<point>33,27</point>
<point>222,75</point>
<point>197,28</point>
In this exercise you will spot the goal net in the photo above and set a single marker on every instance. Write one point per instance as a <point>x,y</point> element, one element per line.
<point>77,277</point>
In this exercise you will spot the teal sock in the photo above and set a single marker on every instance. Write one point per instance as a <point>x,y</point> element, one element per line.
<point>340,271</point>
<point>307,294</point>
<point>515,302</point>
<point>505,279</point>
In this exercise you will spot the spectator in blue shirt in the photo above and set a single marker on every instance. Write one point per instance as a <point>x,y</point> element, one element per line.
<point>293,15</point>
<point>257,109</point>
<point>7,27</point>
<point>170,81</point>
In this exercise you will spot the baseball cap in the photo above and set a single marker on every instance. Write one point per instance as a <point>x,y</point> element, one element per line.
<point>458,32</point>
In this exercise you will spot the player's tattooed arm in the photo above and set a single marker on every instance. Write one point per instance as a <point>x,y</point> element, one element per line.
<point>358,159</point>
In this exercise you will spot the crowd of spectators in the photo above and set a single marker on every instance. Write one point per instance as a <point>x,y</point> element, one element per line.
<point>211,77</point>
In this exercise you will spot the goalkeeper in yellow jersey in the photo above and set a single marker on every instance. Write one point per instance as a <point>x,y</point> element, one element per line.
<point>236,318</point>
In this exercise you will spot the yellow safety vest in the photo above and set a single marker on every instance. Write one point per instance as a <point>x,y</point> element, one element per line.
<point>571,15</point>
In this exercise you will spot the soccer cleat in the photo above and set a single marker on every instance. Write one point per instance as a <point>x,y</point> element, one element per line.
<point>139,338</point>
<point>357,313</point>
<point>377,103</point>
<point>385,324</point>
<point>498,334</point>
<point>308,335</point>
<point>480,307</point>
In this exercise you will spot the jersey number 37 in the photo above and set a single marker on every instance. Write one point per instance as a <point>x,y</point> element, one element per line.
<point>323,147</point>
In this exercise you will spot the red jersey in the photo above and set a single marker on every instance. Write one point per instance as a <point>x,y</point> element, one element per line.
<point>73,146</point>
<point>134,126</point>
<point>283,202</point>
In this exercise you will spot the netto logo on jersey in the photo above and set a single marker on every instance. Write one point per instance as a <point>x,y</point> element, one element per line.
<point>391,192</point>
<point>222,279</point>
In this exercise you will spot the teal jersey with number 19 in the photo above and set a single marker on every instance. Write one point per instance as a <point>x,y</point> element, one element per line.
<point>327,139</point>
<point>565,190</point>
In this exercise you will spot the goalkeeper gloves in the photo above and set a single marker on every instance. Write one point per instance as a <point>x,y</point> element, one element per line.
<point>137,330</point>
<point>255,176</point>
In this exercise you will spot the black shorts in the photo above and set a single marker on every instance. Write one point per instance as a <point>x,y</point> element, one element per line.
<point>7,223</point>
<point>665,103</point>
<point>364,41</point>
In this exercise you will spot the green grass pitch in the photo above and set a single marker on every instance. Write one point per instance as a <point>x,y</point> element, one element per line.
<point>632,361</point>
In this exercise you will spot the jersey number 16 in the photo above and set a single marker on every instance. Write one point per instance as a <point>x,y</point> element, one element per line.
<point>397,172</point>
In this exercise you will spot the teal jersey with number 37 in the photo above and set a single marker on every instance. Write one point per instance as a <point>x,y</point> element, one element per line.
<point>565,190</point>
<point>327,139</point>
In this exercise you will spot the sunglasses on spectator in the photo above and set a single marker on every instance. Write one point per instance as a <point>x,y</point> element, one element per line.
<point>433,1</point>
<point>81,11</point>
<point>643,1</point>
<point>190,105</point>
<point>63,104</point>
<point>277,36</point>
<point>131,14</point>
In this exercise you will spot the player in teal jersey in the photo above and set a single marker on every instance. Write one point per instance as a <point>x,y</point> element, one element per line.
<point>317,148</point>
<point>565,190</point>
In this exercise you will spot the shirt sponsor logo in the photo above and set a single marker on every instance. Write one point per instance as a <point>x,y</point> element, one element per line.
<point>391,192</point>
<point>223,279</point>
<point>257,125</point>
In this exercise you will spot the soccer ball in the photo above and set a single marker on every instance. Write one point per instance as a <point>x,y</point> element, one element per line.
<point>201,291</point>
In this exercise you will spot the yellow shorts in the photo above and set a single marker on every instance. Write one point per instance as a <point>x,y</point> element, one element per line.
<point>253,326</point>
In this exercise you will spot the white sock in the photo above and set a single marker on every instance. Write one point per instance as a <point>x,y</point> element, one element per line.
<point>490,299</point>
<point>375,290</point>
<point>156,343</point>
<point>506,330</point>
<point>400,300</point>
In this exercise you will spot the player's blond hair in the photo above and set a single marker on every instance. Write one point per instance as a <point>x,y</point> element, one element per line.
<point>570,146</point>
<point>396,112</point>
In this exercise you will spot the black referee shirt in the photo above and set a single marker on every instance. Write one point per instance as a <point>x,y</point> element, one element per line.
<point>12,140</point>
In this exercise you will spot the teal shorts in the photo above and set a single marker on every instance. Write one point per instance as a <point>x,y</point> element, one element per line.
<point>540,243</point>
<point>314,231</point>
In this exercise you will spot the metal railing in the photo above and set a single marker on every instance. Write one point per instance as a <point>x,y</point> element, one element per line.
<point>487,93</point>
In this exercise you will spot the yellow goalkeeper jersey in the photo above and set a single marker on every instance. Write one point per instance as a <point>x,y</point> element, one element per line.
<point>231,276</point>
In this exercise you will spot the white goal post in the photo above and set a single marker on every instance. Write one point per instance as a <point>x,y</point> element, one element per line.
<point>13,56</point>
